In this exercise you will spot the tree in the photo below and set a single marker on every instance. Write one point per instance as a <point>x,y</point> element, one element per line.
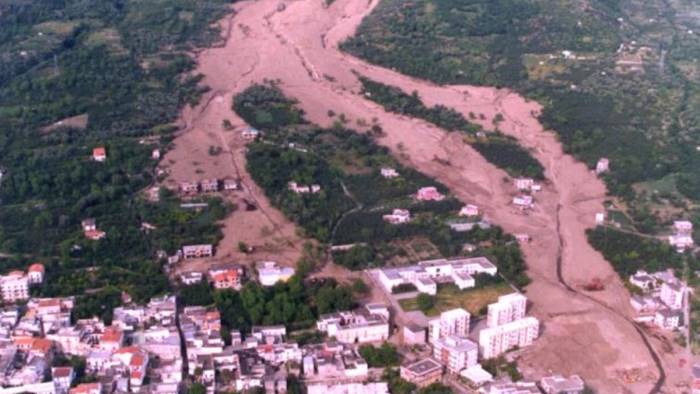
<point>425,302</point>
<point>197,388</point>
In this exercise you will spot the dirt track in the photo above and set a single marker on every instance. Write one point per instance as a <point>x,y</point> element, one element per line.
<point>298,47</point>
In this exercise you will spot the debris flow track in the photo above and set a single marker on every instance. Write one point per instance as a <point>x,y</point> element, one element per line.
<point>296,44</point>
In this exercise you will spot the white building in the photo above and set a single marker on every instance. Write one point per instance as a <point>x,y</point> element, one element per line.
<point>456,353</point>
<point>14,286</point>
<point>643,280</point>
<point>510,307</point>
<point>398,216</point>
<point>600,218</point>
<point>557,384</point>
<point>269,273</point>
<point>348,388</point>
<point>672,294</point>
<point>668,319</point>
<point>449,323</point>
<point>388,172</point>
<point>683,227</point>
<point>602,166</point>
<point>494,341</point>
<point>355,327</point>
<point>303,189</point>
<point>680,241</point>
<point>469,210</point>
<point>523,201</point>
<point>423,275</point>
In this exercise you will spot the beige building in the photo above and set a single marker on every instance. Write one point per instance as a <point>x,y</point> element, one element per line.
<point>423,372</point>
<point>452,322</point>
<point>510,307</point>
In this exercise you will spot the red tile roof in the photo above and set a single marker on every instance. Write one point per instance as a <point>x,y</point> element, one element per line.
<point>36,267</point>
<point>99,151</point>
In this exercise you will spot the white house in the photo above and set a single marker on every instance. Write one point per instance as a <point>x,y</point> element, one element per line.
<point>388,172</point>
<point>269,273</point>
<point>398,216</point>
<point>523,201</point>
<point>469,210</point>
<point>602,166</point>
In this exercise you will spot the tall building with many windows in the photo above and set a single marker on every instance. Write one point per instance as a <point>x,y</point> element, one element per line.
<point>510,307</point>
<point>494,341</point>
<point>452,322</point>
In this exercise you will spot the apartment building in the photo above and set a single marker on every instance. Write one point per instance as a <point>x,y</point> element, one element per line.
<point>494,341</point>
<point>510,307</point>
<point>14,286</point>
<point>456,353</point>
<point>452,322</point>
<point>197,251</point>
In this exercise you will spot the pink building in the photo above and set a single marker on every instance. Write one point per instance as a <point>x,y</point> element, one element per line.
<point>429,193</point>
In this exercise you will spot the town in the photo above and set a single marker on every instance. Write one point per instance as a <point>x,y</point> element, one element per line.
<point>164,346</point>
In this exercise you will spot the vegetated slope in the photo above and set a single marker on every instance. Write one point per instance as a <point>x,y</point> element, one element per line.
<point>119,71</point>
<point>499,149</point>
<point>353,196</point>
<point>616,77</point>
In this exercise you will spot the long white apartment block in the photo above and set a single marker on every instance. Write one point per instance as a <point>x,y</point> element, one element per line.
<point>494,341</point>
<point>510,307</point>
<point>426,274</point>
<point>452,322</point>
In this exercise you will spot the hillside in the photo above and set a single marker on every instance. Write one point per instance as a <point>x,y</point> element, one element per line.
<point>616,79</point>
<point>76,75</point>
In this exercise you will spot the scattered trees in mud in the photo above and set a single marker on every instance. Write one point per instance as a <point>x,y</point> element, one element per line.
<point>500,150</point>
<point>353,195</point>
<point>645,122</point>
<point>629,253</point>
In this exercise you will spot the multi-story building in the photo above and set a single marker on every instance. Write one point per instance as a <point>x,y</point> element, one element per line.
<point>510,307</point>
<point>422,372</point>
<point>197,251</point>
<point>355,327</point>
<point>452,322</point>
<point>494,341</point>
<point>456,353</point>
<point>14,286</point>
<point>672,294</point>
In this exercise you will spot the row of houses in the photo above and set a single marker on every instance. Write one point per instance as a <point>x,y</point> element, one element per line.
<point>209,186</point>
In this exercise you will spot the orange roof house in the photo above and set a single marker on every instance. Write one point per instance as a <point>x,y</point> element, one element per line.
<point>99,154</point>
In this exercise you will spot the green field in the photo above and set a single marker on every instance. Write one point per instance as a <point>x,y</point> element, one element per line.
<point>450,297</point>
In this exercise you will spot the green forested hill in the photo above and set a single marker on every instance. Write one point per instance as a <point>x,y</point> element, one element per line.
<point>618,78</point>
<point>119,70</point>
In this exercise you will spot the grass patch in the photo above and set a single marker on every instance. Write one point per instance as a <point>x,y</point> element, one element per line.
<point>449,297</point>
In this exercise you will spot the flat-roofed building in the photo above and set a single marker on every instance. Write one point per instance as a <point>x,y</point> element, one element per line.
<point>557,384</point>
<point>197,251</point>
<point>413,334</point>
<point>422,372</point>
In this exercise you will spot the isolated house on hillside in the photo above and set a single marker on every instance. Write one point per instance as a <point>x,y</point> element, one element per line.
<point>388,172</point>
<point>602,166</point>
<point>197,251</point>
<point>429,193</point>
<point>398,216</point>
<point>469,210</point>
<point>99,154</point>
<point>189,187</point>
